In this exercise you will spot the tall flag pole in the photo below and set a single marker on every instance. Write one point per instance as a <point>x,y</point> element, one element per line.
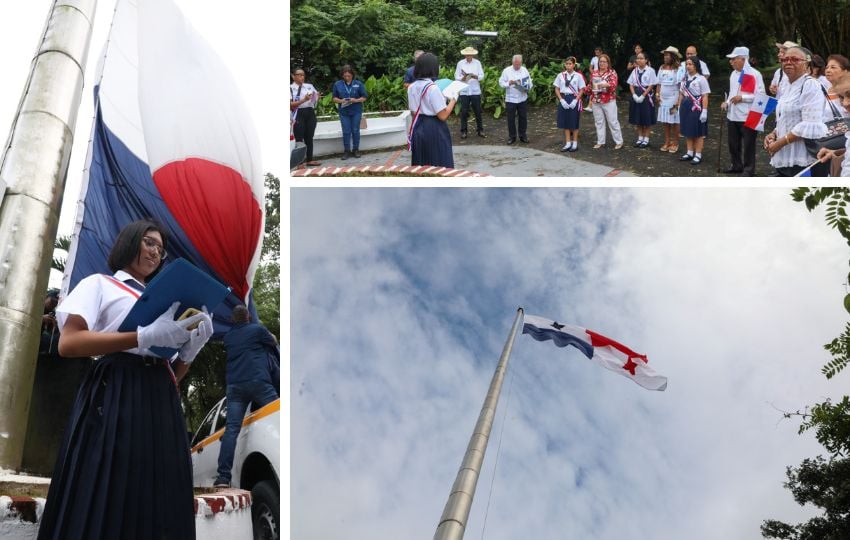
<point>33,171</point>
<point>456,513</point>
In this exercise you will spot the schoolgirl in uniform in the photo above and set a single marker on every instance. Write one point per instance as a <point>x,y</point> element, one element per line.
<point>124,469</point>
<point>668,93</point>
<point>429,139</point>
<point>569,87</point>
<point>693,110</point>
<point>642,83</point>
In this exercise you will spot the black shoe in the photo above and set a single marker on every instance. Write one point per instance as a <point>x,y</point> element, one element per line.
<point>732,170</point>
<point>462,134</point>
<point>644,144</point>
<point>481,134</point>
<point>686,157</point>
<point>573,149</point>
<point>524,139</point>
<point>357,153</point>
<point>511,141</point>
<point>346,155</point>
<point>696,161</point>
<point>638,144</point>
<point>566,148</point>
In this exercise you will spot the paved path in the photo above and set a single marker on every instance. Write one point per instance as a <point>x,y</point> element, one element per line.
<point>499,161</point>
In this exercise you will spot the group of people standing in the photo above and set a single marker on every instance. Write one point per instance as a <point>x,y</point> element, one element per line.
<point>676,95</point>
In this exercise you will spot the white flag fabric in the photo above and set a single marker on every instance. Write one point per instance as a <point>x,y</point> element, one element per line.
<point>601,350</point>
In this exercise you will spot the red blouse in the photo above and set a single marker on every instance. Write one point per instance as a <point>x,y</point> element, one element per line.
<point>610,77</point>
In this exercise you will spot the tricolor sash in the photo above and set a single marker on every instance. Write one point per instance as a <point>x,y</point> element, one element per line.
<point>697,104</point>
<point>643,89</point>
<point>416,114</point>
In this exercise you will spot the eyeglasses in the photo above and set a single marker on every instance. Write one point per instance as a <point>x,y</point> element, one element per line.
<point>792,60</point>
<point>152,244</point>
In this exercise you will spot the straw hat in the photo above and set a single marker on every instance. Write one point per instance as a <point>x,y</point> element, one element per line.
<point>468,50</point>
<point>674,50</point>
<point>787,45</point>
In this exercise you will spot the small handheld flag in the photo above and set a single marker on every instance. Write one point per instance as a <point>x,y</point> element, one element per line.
<point>600,349</point>
<point>762,106</point>
<point>807,172</point>
<point>747,82</point>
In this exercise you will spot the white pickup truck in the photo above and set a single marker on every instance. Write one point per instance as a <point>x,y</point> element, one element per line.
<point>256,463</point>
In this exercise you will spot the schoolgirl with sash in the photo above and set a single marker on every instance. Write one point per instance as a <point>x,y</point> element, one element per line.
<point>693,110</point>
<point>429,140</point>
<point>642,83</point>
<point>569,87</point>
<point>302,102</point>
<point>124,469</point>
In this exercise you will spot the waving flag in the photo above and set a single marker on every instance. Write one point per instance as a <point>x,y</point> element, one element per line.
<point>747,82</point>
<point>602,350</point>
<point>173,141</point>
<point>762,106</point>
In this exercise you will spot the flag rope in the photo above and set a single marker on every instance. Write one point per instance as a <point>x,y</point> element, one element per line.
<point>498,453</point>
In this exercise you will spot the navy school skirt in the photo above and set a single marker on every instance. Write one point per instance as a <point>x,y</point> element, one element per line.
<point>568,119</point>
<point>124,469</point>
<point>689,124</point>
<point>641,114</point>
<point>431,143</point>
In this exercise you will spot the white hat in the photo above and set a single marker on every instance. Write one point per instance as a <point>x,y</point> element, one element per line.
<point>468,50</point>
<point>673,50</point>
<point>739,51</point>
<point>787,45</point>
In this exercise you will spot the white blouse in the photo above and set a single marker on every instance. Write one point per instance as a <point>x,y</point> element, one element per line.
<point>434,101</point>
<point>646,76</point>
<point>669,80</point>
<point>101,302</point>
<point>799,111</point>
<point>569,83</point>
<point>845,165</point>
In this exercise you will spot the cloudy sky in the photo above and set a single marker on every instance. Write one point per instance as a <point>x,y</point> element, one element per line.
<point>401,300</point>
<point>248,38</point>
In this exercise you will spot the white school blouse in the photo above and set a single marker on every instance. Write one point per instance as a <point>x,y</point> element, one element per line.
<point>569,83</point>
<point>102,303</point>
<point>433,101</point>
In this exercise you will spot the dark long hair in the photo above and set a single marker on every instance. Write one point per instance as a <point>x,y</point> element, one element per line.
<point>427,66</point>
<point>128,245</point>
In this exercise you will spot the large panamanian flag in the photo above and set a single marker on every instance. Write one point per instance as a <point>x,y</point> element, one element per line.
<point>601,350</point>
<point>172,140</point>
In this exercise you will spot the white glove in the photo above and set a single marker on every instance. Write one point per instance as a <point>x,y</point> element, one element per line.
<point>165,331</point>
<point>637,98</point>
<point>564,103</point>
<point>574,104</point>
<point>199,337</point>
<point>703,116</point>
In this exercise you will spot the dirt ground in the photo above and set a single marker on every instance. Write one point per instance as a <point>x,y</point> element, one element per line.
<point>544,135</point>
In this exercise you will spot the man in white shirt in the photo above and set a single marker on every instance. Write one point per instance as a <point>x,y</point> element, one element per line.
<point>742,140</point>
<point>692,51</point>
<point>470,71</point>
<point>516,81</point>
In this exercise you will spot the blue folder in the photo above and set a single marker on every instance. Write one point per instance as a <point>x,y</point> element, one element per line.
<point>180,281</point>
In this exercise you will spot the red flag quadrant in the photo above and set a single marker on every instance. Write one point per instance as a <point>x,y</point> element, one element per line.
<point>600,349</point>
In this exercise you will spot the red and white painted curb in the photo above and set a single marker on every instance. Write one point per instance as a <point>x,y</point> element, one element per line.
<point>401,170</point>
<point>225,500</point>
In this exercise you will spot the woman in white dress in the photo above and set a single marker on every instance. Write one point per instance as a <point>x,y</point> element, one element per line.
<point>669,79</point>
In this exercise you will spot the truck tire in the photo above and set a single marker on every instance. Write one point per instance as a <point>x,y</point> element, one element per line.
<point>265,511</point>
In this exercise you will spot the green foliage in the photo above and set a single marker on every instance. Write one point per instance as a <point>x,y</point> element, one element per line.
<point>825,484</point>
<point>831,424</point>
<point>839,348</point>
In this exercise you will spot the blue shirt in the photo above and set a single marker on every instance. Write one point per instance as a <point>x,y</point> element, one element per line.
<point>246,353</point>
<point>355,90</point>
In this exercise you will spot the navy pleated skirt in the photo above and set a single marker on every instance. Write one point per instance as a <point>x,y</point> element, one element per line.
<point>689,125</point>
<point>431,143</point>
<point>568,118</point>
<point>124,469</point>
<point>641,114</point>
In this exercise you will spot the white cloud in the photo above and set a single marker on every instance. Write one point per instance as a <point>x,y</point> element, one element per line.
<point>400,303</point>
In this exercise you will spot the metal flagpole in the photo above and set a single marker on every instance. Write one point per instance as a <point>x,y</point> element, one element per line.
<point>33,172</point>
<point>453,522</point>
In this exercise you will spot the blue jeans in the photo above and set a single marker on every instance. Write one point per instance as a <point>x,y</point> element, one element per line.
<point>239,396</point>
<point>350,129</point>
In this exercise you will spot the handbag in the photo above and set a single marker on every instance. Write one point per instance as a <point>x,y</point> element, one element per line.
<point>835,131</point>
<point>363,122</point>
